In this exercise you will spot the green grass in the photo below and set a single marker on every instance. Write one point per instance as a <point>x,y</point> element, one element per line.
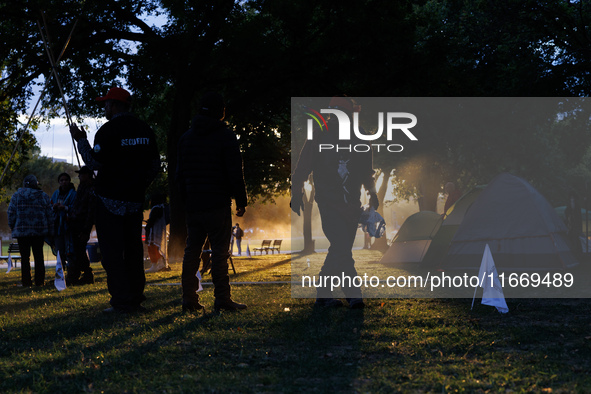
<point>62,342</point>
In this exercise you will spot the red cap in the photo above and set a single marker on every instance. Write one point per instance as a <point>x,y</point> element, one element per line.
<point>118,94</point>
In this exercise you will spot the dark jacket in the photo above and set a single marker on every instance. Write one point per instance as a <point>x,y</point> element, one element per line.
<point>338,175</point>
<point>126,157</point>
<point>209,171</point>
<point>82,214</point>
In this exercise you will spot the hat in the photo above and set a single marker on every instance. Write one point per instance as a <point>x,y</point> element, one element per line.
<point>85,170</point>
<point>118,94</point>
<point>31,181</point>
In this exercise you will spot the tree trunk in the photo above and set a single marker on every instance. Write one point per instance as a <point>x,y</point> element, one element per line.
<point>429,187</point>
<point>308,205</point>
<point>381,244</point>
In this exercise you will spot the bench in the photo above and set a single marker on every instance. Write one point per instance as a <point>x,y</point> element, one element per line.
<point>12,249</point>
<point>276,246</point>
<point>264,247</point>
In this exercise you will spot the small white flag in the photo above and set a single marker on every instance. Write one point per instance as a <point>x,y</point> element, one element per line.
<point>60,280</point>
<point>489,280</point>
<point>247,249</point>
<point>198,275</point>
<point>9,264</point>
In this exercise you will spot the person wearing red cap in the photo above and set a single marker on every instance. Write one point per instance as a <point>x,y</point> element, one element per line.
<point>338,178</point>
<point>126,160</point>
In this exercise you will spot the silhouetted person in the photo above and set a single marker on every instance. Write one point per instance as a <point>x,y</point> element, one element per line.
<point>81,222</point>
<point>338,177</point>
<point>30,218</point>
<point>126,158</point>
<point>209,175</point>
<point>63,201</point>
<point>238,233</point>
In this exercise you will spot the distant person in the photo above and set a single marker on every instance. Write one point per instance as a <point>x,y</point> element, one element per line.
<point>126,158</point>
<point>453,195</point>
<point>238,233</point>
<point>209,175</point>
<point>81,223</point>
<point>30,217</point>
<point>156,238</point>
<point>63,202</point>
<point>338,177</point>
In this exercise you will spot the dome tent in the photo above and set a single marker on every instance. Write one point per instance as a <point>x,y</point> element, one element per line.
<point>520,226</point>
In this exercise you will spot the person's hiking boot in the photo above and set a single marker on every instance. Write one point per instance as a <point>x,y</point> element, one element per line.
<point>356,303</point>
<point>193,307</point>
<point>72,279</point>
<point>87,278</point>
<point>228,305</point>
<point>328,303</point>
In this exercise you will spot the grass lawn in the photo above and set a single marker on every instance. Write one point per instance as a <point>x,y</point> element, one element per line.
<point>62,342</point>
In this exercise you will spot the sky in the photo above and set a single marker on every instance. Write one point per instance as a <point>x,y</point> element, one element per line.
<point>55,140</point>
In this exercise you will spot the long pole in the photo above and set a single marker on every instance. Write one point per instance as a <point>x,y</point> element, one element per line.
<point>59,84</point>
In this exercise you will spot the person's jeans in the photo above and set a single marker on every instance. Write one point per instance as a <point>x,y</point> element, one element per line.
<point>120,241</point>
<point>339,224</point>
<point>216,225</point>
<point>25,244</point>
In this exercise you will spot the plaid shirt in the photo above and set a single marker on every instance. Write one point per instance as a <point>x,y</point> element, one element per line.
<point>30,213</point>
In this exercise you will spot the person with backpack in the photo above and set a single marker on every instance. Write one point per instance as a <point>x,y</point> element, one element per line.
<point>238,233</point>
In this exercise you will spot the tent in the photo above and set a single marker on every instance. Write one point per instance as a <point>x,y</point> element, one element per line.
<point>522,229</point>
<point>451,222</point>
<point>413,238</point>
<point>425,236</point>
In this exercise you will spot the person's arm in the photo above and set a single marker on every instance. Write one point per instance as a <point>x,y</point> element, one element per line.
<point>84,147</point>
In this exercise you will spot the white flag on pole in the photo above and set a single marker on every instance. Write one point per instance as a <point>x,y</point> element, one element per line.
<point>60,280</point>
<point>489,280</point>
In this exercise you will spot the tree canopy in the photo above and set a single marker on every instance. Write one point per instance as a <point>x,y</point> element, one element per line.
<point>259,53</point>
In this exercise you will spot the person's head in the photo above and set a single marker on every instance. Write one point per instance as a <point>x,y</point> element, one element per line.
<point>64,180</point>
<point>212,105</point>
<point>237,225</point>
<point>85,174</point>
<point>449,187</point>
<point>117,100</point>
<point>31,182</point>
